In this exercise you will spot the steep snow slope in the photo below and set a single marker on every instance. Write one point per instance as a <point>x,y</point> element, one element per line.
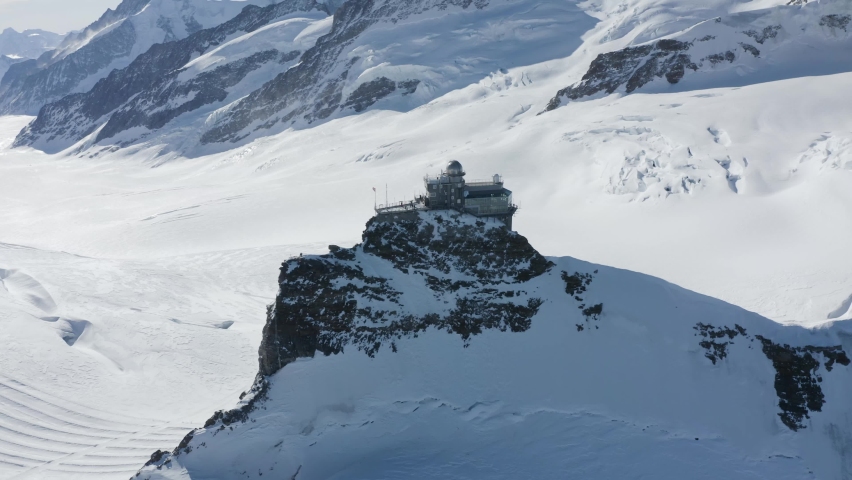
<point>458,352</point>
<point>160,84</point>
<point>112,42</point>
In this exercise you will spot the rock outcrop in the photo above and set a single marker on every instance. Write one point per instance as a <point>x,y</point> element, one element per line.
<point>474,271</point>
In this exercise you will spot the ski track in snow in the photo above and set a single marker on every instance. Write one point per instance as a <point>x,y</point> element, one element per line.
<point>42,436</point>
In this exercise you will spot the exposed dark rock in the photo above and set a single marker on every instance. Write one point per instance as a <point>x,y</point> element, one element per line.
<point>156,457</point>
<point>155,107</point>
<point>369,93</point>
<point>408,86</point>
<point>593,312</point>
<point>835,21</point>
<point>632,67</point>
<point>577,284</point>
<point>326,303</point>
<point>717,350</point>
<point>728,56</point>
<point>750,49</point>
<point>257,395</point>
<point>763,35</point>
<point>797,377</point>
<point>479,250</point>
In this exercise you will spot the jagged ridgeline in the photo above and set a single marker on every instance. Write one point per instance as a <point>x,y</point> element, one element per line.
<point>413,271</point>
<point>720,47</point>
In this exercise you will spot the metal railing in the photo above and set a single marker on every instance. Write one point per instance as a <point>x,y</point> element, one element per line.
<point>399,207</point>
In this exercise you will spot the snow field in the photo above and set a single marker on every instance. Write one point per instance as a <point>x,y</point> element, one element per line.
<point>635,397</point>
<point>106,361</point>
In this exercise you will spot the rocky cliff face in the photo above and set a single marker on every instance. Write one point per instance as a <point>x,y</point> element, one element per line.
<point>476,273</point>
<point>151,80</point>
<point>113,41</point>
<point>440,313</point>
<point>723,48</point>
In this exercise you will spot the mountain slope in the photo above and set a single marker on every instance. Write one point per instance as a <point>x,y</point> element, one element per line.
<point>27,44</point>
<point>362,60</point>
<point>155,79</point>
<point>452,349</point>
<point>112,42</point>
<point>399,56</point>
<point>6,62</point>
<point>740,49</point>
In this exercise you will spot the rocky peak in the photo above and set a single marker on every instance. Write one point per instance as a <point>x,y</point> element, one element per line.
<point>461,274</point>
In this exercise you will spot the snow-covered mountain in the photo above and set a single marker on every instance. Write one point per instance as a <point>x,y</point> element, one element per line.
<point>112,42</point>
<point>17,47</point>
<point>444,346</point>
<point>27,44</point>
<point>7,61</point>
<point>732,50</point>
<point>181,76</point>
<point>136,269</point>
<point>399,56</point>
<point>361,60</point>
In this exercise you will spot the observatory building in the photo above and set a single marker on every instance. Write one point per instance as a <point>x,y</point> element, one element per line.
<point>450,191</point>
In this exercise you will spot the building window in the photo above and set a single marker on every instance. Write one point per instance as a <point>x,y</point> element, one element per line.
<point>432,194</point>
<point>458,201</point>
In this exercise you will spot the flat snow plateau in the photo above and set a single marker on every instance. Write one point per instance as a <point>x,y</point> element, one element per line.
<point>133,284</point>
